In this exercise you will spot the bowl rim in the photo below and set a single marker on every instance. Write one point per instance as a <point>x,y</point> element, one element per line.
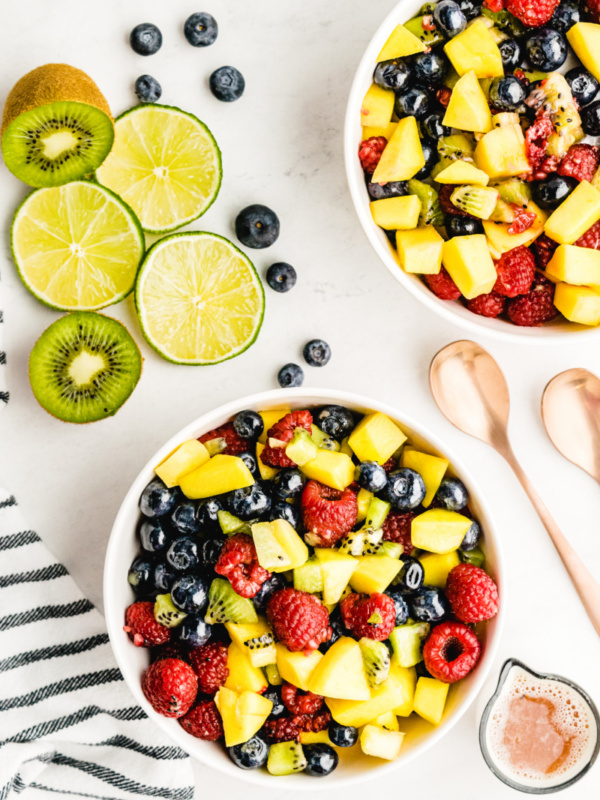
<point>497,329</point>
<point>114,613</point>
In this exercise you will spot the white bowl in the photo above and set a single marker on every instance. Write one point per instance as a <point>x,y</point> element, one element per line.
<point>553,332</point>
<point>123,547</point>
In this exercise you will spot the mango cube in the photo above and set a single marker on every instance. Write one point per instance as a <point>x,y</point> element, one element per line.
<point>381,743</point>
<point>403,155</point>
<point>409,677</point>
<point>430,699</point>
<point>182,460</point>
<point>395,691</point>
<point>501,241</point>
<point>396,213</point>
<point>576,265</point>
<point>431,468</point>
<point>267,473</point>
<point>470,265</point>
<point>333,469</point>
<point>290,542</point>
<point>296,668</point>
<point>439,531</point>
<point>368,131</point>
<point>242,714</point>
<point>501,153</point>
<point>337,569</point>
<point>321,737</point>
<point>584,38</point>
<point>270,554</point>
<point>340,673</point>
<point>377,107</point>
<point>574,215</point>
<point>468,108</point>
<point>376,438</point>
<point>269,419</point>
<point>389,721</point>
<point>374,573</point>
<point>475,49</point>
<point>437,567</point>
<point>242,675</point>
<point>462,172</point>
<point>420,250</point>
<point>400,43</point>
<point>255,640</point>
<point>578,303</point>
<point>219,475</point>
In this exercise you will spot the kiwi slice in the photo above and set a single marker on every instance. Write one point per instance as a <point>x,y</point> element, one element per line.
<point>456,146</point>
<point>361,543</point>
<point>84,367</point>
<point>56,127</point>
<point>166,613</point>
<point>480,201</point>
<point>376,659</point>
<point>225,605</point>
<point>429,38</point>
<point>286,758</point>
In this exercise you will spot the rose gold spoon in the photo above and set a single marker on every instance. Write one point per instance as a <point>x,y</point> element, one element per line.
<point>470,390</point>
<point>571,414</point>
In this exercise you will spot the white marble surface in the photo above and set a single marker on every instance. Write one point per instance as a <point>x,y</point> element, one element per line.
<point>282,146</point>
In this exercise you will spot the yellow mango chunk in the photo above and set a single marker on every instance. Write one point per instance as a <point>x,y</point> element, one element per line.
<point>409,679</point>
<point>387,132</point>
<point>578,303</point>
<point>462,172</point>
<point>219,475</point>
<point>403,155</point>
<point>584,38</point>
<point>501,153</point>
<point>269,419</point>
<point>363,501</point>
<point>468,108</point>
<point>377,107</point>
<point>183,459</point>
<point>321,737</point>
<point>374,574</point>
<point>420,250</point>
<point>437,566</point>
<point>396,213</point>
<point>401,42</point>
<point>470,265</point>
<point>395,691</point>
<point>438,530</point>
<point>291,543</point>
<point>501,241</point>
<point>242,714</point>
<point>389,721</point>
<point>431,468</point>
<point>242,675</point>
<point>333,469</point>
<point>340,673</point>
<point>430,699</point>
<point>337,568</point>
<point>296,668</point>
<point>376,438</point>
<point>576,265</point>
<point>381,743</point>
<point>475,49</point>
<point>574,215</point>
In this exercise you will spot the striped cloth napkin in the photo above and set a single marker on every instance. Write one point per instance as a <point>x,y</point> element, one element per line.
<point>68,723</point>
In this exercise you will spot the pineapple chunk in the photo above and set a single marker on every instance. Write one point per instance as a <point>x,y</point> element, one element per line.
<point>501,152</point>
<point>475,49</point>
<point>296,668</point>
<point>376,438</point>
<point>576,265</point>
<point>374,573</point>
<point>363,501</point>
<point>437,566</point>
<point>381,743</point>
<point>321,737</point>
<point>403,155</point>
<point>368,131</point>
<point>584,38</point>
<point>430,699</point>
<point>267,473</point>
<point>269,419</point>
<point>270,553</point>
<point>439,531</point>
<point>291,543</point>
<point>468,260</point>
<point>420,250</point>
<point>462,172</point>
<point>431,468</point>
<point>389,721</point>
<point>340,673</point>
<point>501,241</point>
<point>219,475</point>
<point>242,714</point>
<point>377,107</point>
<point>578,303</point>
<point>255,640</point>
<point>337,569</point>
<point>396,213</point>
<point>335,470</point>
<point>242,675</point>
<point>400,43</point>
<point>574,215</point>
<point>183,459</point>
<point>468,108</point>
<point>394,692</point>
<point>407,642</point>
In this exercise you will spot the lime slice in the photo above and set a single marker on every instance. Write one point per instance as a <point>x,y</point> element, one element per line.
<point>77,247</point>
<point>165,163</point>
<point>199,299</point>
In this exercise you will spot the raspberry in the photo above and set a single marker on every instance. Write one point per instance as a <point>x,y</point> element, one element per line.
<point>390,465</point>
<point>451,651</point>
<point>535,307</point>
<point>543,249</point>
<point>591,10</point>
<point>369,152</point>
<point>516,271</point>
<point>443,286</point>
<point>284,729</point>
<point>170,686</point>
<point>487,305</point>
<point>328,514</point>
<point>169,650</point>
<point>443,95</point>
<point>209,662</point>
<point>372,616</point>
<point>283,431</point>
<point>580,162</point>
<point>536,143</point>
<point>523,220</point>
<point>396,528</point>
<point>472,594</point>
<point>532,13</point>
<point>314,724</point>
<point>300,703</point>
<point>239,563</point>
<point>234,443</point>
<point>591,238</point>
<point>494,5</point>
<point>299,619</point>
<point>447,205</point>
<point>203,721</point>
<point>142,628</point>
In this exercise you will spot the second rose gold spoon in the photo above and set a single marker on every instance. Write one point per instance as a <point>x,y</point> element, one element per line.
<point>471,391</point>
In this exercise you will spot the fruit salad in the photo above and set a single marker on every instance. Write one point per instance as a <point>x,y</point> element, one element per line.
<point>308,580</point>
<point>475,161</point>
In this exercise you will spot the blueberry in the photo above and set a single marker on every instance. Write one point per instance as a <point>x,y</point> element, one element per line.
<point>510,52</point>
<point>145,39</point>
<point>194,631</point>
<point>432,126</point>
<point>430,68</point>
<point>257,226</point>
<point>470,8</point>
<point>321,760</point>
<point>416,102</point>
<point>153,537</point>
<point>190,593</point>
<point>201,29</point>
<point>273,694</point>
<point>267,590</point>
<point>156,500</point>
<point>394,75</point>
<point>507,93</point>
<point>452,494</point>
<point>283,510</point>
<point>248,424</point>
<point>412,574</point>
<point>251,754</point>
<point>250,462</point>
<point>449,19</point>
<point>281,277</point>
<point>141,576</point>
<point>590,119</point>
<point>207,515</point>
<point>164,576</point>
<point>379,191</point>
<point>472,537</point>
<point>316,353</point>
<point>148,89</point>
<point>565,16</point>
<point>211,550</point>
<point>462,226</point>
<point>584,86</point>
<point>336,421</point>
<point>249,503</point>
<point>288,483</point>
<point>184,518</point>
<point>428,604</point>
<point>343,735</point>
<point>546,49</point>
<point>227,84</point>
<point>405,489</point>
<point>290,375</point>
<point>337,629</point>
<point>550,192</point>
<point>400,604</point>
<point>184,554</point>
<point>431,156</point>
<point>371,476</point>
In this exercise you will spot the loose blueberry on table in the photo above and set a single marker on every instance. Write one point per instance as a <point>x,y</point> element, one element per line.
<point>307,581</point>
<point>474,161</point>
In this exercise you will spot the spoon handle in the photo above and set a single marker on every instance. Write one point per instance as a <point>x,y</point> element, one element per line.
<point>587,587</point>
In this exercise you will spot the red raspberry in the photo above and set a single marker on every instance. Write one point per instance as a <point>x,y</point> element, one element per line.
<point>203,721</point>
<point>535,307</point>
<point>591,10</point>
<point>532,13</point>
<point>523,220</point>
<point>472,594</point>
<point>520,75</point>
<point>298,703</point>
<point>447,205</point>
<point>372,616</point>
<point>234,443</point>
<point>397,527</point>
<point>209,662</point>
<point>580,162</point>
<point>443,286</point>
<point>487,305</point>
<point>142,628</point>
<point>283,431</point>
<point>536,144</point>
<point>170,686</point>
<point>316,723</point>
<point>299,619</point>
<point>284,729</point>
<point>328,514</point>
<point>516,271</point>
<point>543,249</point>
<point>451,651</point>
<point>494,5</point>
<point>369,152</point>
<point>390,465</point>
<point>169,650</point>
<point>591,238</point>
<point>239,563</point>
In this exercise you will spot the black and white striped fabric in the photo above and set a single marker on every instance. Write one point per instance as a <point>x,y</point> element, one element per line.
<point>68,723</point>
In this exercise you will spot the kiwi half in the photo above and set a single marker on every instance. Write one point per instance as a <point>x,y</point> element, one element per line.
<point>84,367</point>
<point>56,126</point>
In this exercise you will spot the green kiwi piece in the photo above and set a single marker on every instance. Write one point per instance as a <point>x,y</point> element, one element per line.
<point>286,758</point>
<point>309,577</point>
<point>84,367</point>
<point>429,38</point>
<point>225,605</point>
<point>479,201</point>
<point>376,658</point>
<point>166,613</point>
<point>431,213</point>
